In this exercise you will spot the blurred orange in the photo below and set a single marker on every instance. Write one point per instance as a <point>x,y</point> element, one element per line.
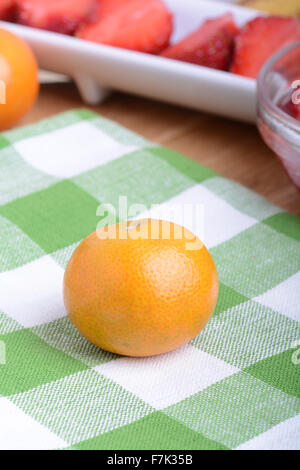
<point>19,84</point>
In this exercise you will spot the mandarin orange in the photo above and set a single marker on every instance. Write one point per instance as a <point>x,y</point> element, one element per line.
<point>18,79</point>
<point>142,288</point>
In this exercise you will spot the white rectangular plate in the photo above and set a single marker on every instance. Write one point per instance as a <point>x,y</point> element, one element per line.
<point>98,69</point>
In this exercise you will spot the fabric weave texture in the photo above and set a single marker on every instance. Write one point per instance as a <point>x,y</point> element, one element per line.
<point>235,386</point>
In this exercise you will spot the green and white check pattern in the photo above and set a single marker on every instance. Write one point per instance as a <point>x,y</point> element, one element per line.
<point>235,386</point>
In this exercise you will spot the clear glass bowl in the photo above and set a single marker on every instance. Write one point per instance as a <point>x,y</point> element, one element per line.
<point>275,93</point>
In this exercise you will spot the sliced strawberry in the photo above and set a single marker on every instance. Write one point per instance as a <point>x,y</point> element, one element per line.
<point>106,7</point>
<point>290,108</point>
<point>55,15</point>
<point>259,39</point>
<point>139,25</point>
<point>7,10</point>
<point>297,111</point>
<point>210,45</point>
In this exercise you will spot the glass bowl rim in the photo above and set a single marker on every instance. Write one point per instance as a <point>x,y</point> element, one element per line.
<point>261,86</point>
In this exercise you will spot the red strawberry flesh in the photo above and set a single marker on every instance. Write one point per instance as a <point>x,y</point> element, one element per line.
<point>55,15</point>
<point>132,24</point>
<point>7,10</point>
<point>293,109</point>
<point>259,39</point>
<point>210,45</point>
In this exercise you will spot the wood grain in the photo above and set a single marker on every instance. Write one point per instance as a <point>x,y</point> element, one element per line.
<point>233,149</point>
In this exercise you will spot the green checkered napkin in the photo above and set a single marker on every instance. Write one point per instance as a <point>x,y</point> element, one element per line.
<point>235,386</point>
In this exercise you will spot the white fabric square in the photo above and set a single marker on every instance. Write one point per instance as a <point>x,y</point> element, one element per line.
<point>32,294</point>
<point>71,150</point>
<point>283,436</point>
<point>284,298</point>
<point>209,217</point>
<point>164,380</point>
<point>19,431</point>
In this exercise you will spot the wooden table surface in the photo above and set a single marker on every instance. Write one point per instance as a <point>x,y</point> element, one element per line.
<point>233,149</point>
